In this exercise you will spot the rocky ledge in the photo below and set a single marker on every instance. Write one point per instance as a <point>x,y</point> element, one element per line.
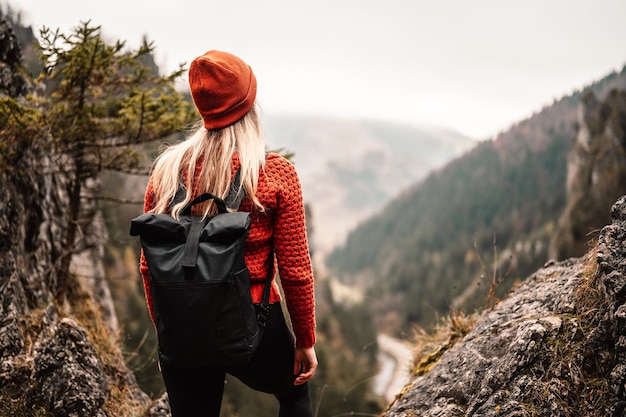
<point>555,347</point>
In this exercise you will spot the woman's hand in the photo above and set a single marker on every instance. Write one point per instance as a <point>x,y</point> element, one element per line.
<point>304,365</point>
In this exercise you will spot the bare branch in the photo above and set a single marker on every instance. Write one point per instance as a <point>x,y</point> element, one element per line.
<point>117,200</point>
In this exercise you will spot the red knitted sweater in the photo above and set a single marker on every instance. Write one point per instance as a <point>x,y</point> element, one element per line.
<point>283,221</point>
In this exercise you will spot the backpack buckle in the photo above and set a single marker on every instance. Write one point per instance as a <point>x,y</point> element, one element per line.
<point>261,317</point>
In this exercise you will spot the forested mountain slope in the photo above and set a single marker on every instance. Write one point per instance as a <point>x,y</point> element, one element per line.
<point>500,203</point>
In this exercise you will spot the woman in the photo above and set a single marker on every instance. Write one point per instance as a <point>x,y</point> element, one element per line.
<point>223,88</point>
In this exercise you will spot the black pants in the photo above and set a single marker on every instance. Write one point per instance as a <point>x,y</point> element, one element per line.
<point>197,392</point>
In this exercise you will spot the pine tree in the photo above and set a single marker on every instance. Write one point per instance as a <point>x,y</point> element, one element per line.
<point>94,102</point>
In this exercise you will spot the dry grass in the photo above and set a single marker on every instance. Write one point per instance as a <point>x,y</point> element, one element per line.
<point>121,401</point>
<point>588,298</point>
<point>430,345</point>
<point>14,407</point>
<point>578,361</point>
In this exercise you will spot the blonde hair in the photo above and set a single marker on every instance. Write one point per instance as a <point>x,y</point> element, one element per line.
<point>216,147</point>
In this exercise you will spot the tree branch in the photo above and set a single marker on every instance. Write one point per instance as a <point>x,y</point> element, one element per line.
<point>117,200</point>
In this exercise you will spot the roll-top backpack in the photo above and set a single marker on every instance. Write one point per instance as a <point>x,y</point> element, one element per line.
<point>204,314</point>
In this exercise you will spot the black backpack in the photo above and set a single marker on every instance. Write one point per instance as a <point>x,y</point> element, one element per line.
<point>204,314</point>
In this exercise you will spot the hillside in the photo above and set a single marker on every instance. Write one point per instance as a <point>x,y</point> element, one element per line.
<point>351,168</point>
<point>554,347</point>
<point>485,217</point>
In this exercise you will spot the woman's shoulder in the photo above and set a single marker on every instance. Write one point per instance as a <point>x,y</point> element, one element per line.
<point>278,164</point>
<point>280,173</point>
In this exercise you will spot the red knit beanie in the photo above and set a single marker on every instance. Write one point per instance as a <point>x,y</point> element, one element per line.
<point>223,88</point>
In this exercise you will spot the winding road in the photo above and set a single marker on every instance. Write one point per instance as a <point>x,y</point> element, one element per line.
<point>394,359</point>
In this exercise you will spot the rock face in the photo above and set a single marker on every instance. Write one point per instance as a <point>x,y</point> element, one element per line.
<point>57,357</point>
<point>44,352</point>
<point>596,172</point>
<point>12,83</point>
<point>555,347</point>
<point>65,360</point>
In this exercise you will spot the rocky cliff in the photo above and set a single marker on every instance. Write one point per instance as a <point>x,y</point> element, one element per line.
<point>596,172</point>
<point>59,353</point>
<point>12,83</point>
<point>555,347</point>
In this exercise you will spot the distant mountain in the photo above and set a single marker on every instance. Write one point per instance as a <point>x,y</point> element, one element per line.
<point>351,168</point>
<point>500,204</point>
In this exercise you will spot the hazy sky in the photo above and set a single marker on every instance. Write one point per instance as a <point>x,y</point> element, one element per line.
<point>475,66</point>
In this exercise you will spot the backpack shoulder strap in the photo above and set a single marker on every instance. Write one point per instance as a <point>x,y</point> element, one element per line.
<point>236,192</point>
<point>233,200</point>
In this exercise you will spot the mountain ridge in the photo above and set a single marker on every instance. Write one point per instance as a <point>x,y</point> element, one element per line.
<point>502,199</point>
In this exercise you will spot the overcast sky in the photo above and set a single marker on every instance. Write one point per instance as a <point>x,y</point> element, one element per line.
<point>475,66</point>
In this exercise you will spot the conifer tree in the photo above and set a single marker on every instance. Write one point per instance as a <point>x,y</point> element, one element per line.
<point>92,104</point>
